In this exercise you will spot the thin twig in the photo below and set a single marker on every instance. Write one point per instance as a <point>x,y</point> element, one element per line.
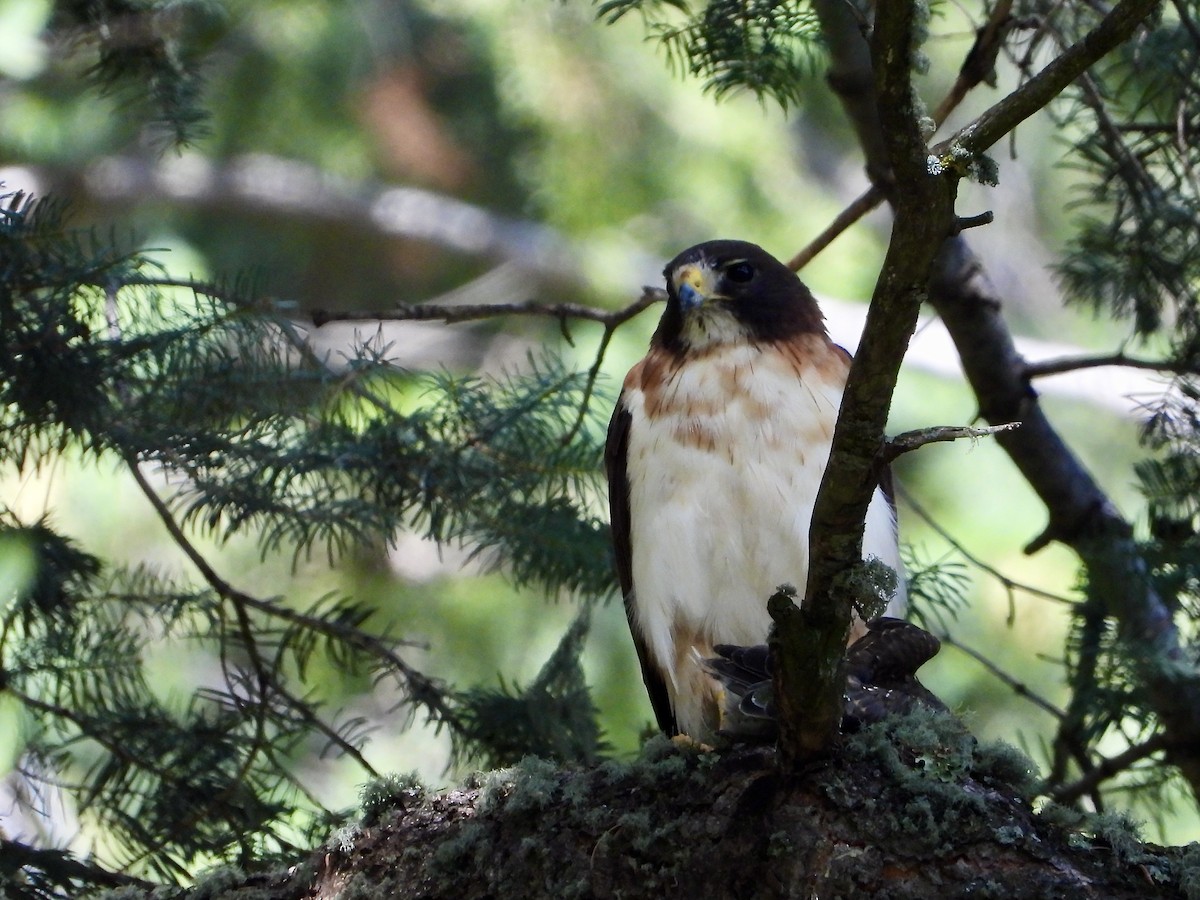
<point>1109,767</point>
<point>862,205</point>
<point>908,441</point>
<point>650,295</point>
<point>418,685</point>
<point>1009,584</point>
<point>473,312</point>
<point>430,312</point>
<point>1018,687</point>
<point>962,223</point>
<point>980,63</point>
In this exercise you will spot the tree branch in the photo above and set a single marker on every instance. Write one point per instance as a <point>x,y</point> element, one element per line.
<point>1010,585</point>
<point>422,312</point>
<point>864,203</point>
<point>1108,768</point>
<point>1114,29</point>
<point>421,689</point>
<point>908,441</point>
<point>1018,687</point>
<point>1062,364</point>
<point>809,644</point>
<point>848,83</point>
<point>432,312</point>
<point>1081,515</point>
<point>980,63</point>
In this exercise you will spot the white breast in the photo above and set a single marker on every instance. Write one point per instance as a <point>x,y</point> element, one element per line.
<point>724,465</point>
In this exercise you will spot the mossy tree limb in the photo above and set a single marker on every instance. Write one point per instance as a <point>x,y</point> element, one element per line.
<point>922,198</point>
<point>810,699</point>
<point>1081,515</point>
<point>912,808</point>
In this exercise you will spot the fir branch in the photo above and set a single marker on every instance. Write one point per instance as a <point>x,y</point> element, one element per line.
<point>766,47</point>
<point>1134,252</point>
<point>214,400</point>
<point>554,718</point>
<point>147,50</point>
<point>611,320</point>
<point>420,690</point>
<point>56,873</point>
<point>1071,739</point>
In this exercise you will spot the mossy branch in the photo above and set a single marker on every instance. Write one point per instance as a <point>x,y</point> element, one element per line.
<point>810,642</point>
<point>923,201</point>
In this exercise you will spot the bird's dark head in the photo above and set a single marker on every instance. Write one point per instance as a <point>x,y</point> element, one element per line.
<point>729,291</point>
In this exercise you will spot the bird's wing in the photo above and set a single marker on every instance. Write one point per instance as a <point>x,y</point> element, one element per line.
<point>616,453</point>
<point>891,651</point>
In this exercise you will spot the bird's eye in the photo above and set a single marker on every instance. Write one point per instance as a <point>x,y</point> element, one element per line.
<point>739,272</point>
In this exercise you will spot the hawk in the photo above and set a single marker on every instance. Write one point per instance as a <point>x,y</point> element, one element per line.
<point>714,455</point>
<point>881,679</point>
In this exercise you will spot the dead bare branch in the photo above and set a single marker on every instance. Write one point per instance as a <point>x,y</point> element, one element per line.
<point>908,441</point>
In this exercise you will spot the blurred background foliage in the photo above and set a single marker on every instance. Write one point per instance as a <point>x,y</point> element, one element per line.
<point>354,155</point>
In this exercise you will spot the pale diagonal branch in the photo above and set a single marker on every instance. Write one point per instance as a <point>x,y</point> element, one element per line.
<point>907,441</point>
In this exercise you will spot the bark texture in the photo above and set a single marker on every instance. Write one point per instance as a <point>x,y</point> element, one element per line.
<point>1080,514</point>
<point>908,808</point>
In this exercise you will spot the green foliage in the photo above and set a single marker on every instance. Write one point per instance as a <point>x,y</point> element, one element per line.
<point>1170,481</point>
<point>1103,661</point>
<point>169,786</point>
<point>937,589</point>
<point>1135,254</point>
<point>262,438</point>
<point>271,441</point>
<point>103,359</point>
<point>768,47</point>
<point>149,51</point>
<point>553,718</point>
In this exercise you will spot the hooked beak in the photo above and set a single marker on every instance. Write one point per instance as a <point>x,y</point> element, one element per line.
<point>693,284</point>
